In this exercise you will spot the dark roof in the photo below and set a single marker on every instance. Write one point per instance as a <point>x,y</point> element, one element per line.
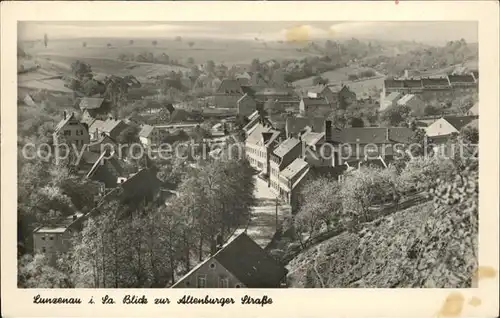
<point>318,89</point>
<point>294,168</point>
<point>459,121</point>
<point>308,101</point>
<point>244,81</point>
<point>461,78</point>
<point>286,146</point>
<point>413,83</point>
<point>250,264</point>
<point>437,81</point>
<point>393,83</point>
<point>91,103</point>
<point>376,135</point>
<point>270,137</point>
<point>109,126</point>
<point>295,125</point>
<point>229,86</point>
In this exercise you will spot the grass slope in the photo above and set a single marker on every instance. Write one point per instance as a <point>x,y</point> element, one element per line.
<point>422,246</point>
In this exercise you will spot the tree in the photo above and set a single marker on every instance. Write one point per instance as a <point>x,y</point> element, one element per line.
<point>129,135</point>
<point>362,189</point>
<point>396,116</point>
<point>108,45</point>
<point>470,135</point>
<point>45,39</point>
<point>430,110</point>
<point>255,65</point>
<point>421,172</point>
<point>84,44</point>
<point>318,80</point>
<point>37,272</point>
<point>357,122</point>
<point>190,61</point>
<point>81,70</point>
<point>131,42</point>
<point>191,44</point>
<point>210,68</point>
<point>154,43</point>
<point>178,39</point>
<point>320,206</point>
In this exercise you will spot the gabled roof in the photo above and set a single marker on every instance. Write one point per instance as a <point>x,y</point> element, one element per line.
<point>458,122</point>
<point>109,126</point>
<point>376,135</point>
<point>286,146</point>
<point>145,131</point>
<point>311,138</point>
<point>392,96</point>
<point>295,125</point>
<point>405,99</point>
<point>64,121</point>
<point>270,137</point>
<point>90,103</point>
<point>294,168</point>
<point>248,262</point>
<point>255,136</point>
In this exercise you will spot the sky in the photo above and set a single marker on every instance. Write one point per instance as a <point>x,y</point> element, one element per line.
<point>427,32</point>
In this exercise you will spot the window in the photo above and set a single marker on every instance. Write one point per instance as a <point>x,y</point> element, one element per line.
<point>223,282</point>
<point>43,238</point>
<point>202,281</point>
<point>51,238</point>
<point>212,266</point>
<point>67,133</point>
<point>43,250</point>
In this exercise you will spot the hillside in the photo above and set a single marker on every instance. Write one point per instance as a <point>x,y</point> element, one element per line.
<point>422,246</point>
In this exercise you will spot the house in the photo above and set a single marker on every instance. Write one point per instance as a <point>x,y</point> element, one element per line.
<point>111,127</point>
<point>146,135</point>
<point>246,105</point>
<point>436,88</point>
<point>283,155</point>
<point>93,108</point>
<point>140,187</point>
<point>102,143</point>
<point>71,131</point>
<point>259,145</point>
<point>240,263</point>
<point>315,106</point>
<point>463,84</point>
<point>254,119</point>
<point>368,142</point>
<point>52,240</point>
<point>474,110</point>
<point>295,125</point>
<point>228,93</point>
<point>107,170</point>
<point>290,181</point>
<point>413,102</point>
<point>442,129</point>
<point>389,101</point>
<point>317,154</point>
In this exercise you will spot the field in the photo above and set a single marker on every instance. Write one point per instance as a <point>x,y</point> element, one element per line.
<point>221,51</point>
<point>338,76</point>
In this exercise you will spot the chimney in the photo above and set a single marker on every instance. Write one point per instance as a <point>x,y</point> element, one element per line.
<point>64,115</point>
<point>387,134</point>
<point>406,74</point>
<point>219,241</point>
<point>75,217</point>
<point>328,130</point>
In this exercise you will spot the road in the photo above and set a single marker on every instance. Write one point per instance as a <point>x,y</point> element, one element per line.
<point>263,223</point>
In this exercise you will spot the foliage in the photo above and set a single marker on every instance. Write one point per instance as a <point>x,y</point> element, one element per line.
<point>421,172</point>
<point>37,272</point>
<point>357,122</point>
<point>396,116</point>
<point>363,188</point>
<point>321,206</point>
<point>470,135</point>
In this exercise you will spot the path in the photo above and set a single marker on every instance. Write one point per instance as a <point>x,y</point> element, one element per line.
<point>262,226</point>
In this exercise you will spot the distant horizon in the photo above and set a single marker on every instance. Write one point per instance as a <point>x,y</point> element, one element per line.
<point>423,32</point>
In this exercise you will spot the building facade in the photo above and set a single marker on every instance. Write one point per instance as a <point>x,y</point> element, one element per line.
<point>71,131</point>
